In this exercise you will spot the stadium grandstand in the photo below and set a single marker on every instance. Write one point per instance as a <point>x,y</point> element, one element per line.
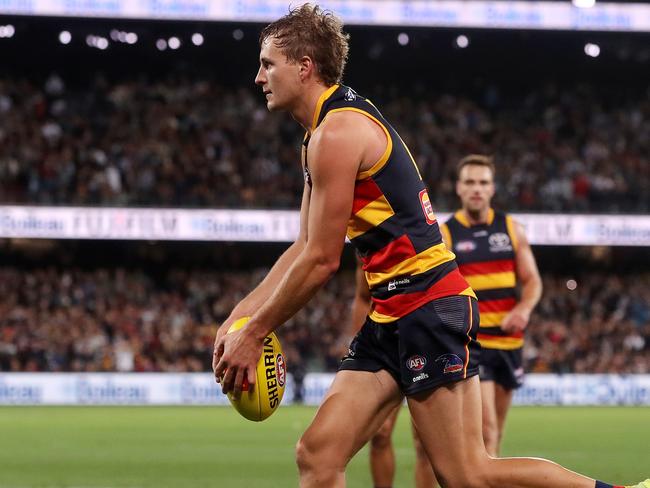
<point>145,189</point>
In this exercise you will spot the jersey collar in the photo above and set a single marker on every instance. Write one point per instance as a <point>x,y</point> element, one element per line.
<point>460,217</point>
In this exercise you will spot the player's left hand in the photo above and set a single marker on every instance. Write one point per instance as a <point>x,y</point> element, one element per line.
<point>516,320</point>
<point>236,357</point>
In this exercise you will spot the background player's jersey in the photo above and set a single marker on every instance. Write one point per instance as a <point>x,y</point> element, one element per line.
<point>485,254</point>
<point>392,225</point>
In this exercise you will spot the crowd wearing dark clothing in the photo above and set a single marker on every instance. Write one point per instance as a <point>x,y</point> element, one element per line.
<point>193,143</point>
<point>118,320</point>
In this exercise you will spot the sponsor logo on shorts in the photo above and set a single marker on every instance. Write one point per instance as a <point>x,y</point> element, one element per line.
<point>393,284</point>
<point>499,242</point>
<point>451,363</point>
<point>427,208</point>
<point>281,369</point>
<point>416,363</point>
<point>420,377</point>
<point>465,246</point>
<point>519,374</point>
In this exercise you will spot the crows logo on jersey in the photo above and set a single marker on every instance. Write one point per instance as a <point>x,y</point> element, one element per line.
<point>451,363</point>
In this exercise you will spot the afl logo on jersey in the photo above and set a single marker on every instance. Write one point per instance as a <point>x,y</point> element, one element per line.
<point>465,246</point>
<point>499,242</point>
<point>427,208</point>
<point>416,363</point>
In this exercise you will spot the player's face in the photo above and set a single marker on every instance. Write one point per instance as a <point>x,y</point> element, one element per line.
<point>475,187</point>
<point>278,77</point>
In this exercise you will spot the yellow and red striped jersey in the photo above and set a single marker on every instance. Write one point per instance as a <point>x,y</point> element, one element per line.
<point>392,225</point>
<point>486,258</point>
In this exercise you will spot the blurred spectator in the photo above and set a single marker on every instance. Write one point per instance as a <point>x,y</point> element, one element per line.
<point>181,142</point>
<point>118,320</point>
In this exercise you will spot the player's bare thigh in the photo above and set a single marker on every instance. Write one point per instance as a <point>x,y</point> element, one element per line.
<point>454,440</point>
<point>354,408</point>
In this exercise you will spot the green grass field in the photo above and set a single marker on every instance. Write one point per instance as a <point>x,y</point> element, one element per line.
<point>214,447</point>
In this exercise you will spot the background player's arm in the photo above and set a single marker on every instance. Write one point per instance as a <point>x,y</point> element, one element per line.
<point>530,281</point>
<point>335,152</point>
<point>361,302</point>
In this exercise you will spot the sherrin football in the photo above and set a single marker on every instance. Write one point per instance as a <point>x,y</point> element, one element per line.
<point>257,402</point>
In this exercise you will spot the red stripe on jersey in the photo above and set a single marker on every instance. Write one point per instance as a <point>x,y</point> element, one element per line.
<point>365,191</point>
<point>504,305</point>
<point>400,305</point>
<point>486,267</point>
<point>391,255</point>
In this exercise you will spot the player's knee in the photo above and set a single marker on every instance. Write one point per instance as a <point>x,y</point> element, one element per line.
<point>305,456</point>
<point>381,440</point>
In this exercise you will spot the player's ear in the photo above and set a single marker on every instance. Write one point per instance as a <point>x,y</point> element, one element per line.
<point>307,66</point>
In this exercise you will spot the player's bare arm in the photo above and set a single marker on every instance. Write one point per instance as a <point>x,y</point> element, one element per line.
<point>531,284</point>
<point>255,299</point>
<point>336,151</point>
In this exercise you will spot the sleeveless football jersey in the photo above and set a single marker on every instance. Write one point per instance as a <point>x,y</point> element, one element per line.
<point>392,225</point>
<point>485,254</point>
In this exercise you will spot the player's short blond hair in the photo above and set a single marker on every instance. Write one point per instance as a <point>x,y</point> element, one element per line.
<point>310,31</point>
<point>475,160</point>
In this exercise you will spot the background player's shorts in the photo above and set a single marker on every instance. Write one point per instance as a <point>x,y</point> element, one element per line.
<point>503,367</point>
<point>431,346</point>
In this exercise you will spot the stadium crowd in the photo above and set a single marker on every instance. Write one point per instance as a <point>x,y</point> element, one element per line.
<point>118,320</point>
<point>181,142</point>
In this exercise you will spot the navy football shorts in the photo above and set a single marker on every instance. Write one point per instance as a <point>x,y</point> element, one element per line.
<point>433,345</point>
<point>503,367</point>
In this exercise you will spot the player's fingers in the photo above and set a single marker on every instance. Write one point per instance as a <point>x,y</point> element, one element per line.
<point>237,385</point>
<point>227,380</point>
<point>220,369</point>
<point>217,352</point>
<point>251,375</point>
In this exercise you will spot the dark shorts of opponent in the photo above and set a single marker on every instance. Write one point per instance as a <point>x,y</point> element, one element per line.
<point>505,368</point>
<point>433,345</point>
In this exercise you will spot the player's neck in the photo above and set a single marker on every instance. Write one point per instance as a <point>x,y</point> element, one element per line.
<point>477,217</point>
<point>306,106</point>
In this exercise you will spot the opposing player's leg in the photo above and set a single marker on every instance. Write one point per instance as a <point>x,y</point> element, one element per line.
<point>454,445</point>
<point>382,454</point>
<point>354,408</point>
<point>502,401</point>
<point>490,421</point>
<point>424,476</point>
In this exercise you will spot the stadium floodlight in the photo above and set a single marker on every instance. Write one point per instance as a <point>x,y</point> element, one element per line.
<point>115,34</point>
<point>238,34</point>
<point>65,37</point>
<point>197,39</point>
<point>403,38</point>
<point>102,43</point>
<point>592,50</point>
<point>571,285</point>
<point>161,44</point>
<point>174,43</point>
<point>462,41</point>
<point>7,31</point>
<point>583,3</point>
<point>131,38</point>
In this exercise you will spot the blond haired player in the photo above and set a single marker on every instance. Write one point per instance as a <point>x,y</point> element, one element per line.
<point>420,337</point>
